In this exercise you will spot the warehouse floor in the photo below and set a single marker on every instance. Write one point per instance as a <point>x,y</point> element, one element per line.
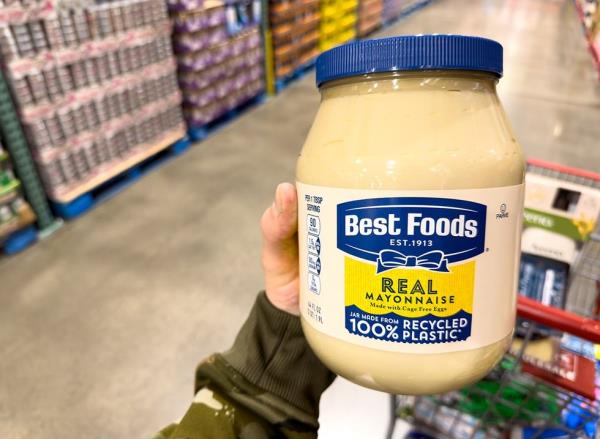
<point>101,325</point>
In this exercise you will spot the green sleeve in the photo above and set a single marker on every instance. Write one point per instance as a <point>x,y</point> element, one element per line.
<point>268,385</point>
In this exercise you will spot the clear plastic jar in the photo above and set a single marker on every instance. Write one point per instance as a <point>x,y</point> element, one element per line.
<point>410,201</point>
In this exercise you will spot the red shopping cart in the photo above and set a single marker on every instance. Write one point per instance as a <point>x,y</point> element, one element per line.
<point>517,400</point>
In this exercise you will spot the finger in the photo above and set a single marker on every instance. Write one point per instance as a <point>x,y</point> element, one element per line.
<point>279,225</point>
<point>280,221</point>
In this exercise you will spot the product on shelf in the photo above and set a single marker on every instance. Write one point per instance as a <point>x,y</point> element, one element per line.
<point>294,33</point>
<point>559,219</point>
<point>95,86</point>
<point>15,212</point>
<point>369,16</point>
<point>338,22</point>
<point>219,56</point>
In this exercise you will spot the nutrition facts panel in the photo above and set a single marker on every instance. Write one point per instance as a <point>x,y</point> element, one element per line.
<point>313,227</point>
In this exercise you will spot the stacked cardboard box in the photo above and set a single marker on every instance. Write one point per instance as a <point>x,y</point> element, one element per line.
<point>219,56</point>
<point>369,16</point>
<point>392,9</point>
<point>338,22</point>
<point>294,34</point>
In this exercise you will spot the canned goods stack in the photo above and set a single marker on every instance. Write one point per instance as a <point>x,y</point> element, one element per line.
<point>95,85</point>
<point>294,34</point>
<point>219,56</point>
<point>393,9</point>
<point>15,212</point>
<point>338,22</point>
<point>369,16</point>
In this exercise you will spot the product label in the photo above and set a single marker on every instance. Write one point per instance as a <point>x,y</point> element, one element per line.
<point>410,271</point>
<point>560,217</point>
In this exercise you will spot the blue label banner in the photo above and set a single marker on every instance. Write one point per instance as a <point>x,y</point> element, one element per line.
<point>417,232</point>
<point>400,329</point>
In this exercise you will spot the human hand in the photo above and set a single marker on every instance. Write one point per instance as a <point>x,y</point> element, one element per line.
<point>279,225</point>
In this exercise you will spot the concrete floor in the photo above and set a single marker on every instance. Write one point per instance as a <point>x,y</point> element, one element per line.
<point>102,324</point>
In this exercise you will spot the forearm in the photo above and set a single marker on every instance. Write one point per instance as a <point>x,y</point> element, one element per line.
<point>270,377</point>
<point>273,362</point>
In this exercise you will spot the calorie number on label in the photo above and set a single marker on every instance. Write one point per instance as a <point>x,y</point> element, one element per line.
<point>314,224</point>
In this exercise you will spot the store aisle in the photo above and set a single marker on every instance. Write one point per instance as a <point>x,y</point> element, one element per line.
<point>102,324</point>
<point>550,89</point>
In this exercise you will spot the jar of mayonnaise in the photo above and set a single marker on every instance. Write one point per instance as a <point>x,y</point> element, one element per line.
<point>410,189</point>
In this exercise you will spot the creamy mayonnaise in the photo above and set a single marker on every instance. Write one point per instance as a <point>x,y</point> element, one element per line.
<point>410,200</point>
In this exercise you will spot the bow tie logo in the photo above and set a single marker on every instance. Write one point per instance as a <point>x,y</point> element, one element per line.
<point>433,260</point>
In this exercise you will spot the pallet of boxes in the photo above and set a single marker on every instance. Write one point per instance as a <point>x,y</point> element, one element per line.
<point>94,85</point>
<point>294,35</point>
<point>369,16</point>
<point>338,22</point>
<point>220,57</point>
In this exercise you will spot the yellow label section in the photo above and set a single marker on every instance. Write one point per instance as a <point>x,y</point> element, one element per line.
<point>409,292</point>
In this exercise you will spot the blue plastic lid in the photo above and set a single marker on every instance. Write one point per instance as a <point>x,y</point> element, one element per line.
<point>412,52</point>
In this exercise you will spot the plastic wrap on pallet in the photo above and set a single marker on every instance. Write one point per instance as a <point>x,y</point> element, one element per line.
<point>219,56</point>
<point>198,80</point>
<point>196,63</point>
<point>197,20</point>
<point>196,41</point>
<point>93,83</point>
<point>201,116</point>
